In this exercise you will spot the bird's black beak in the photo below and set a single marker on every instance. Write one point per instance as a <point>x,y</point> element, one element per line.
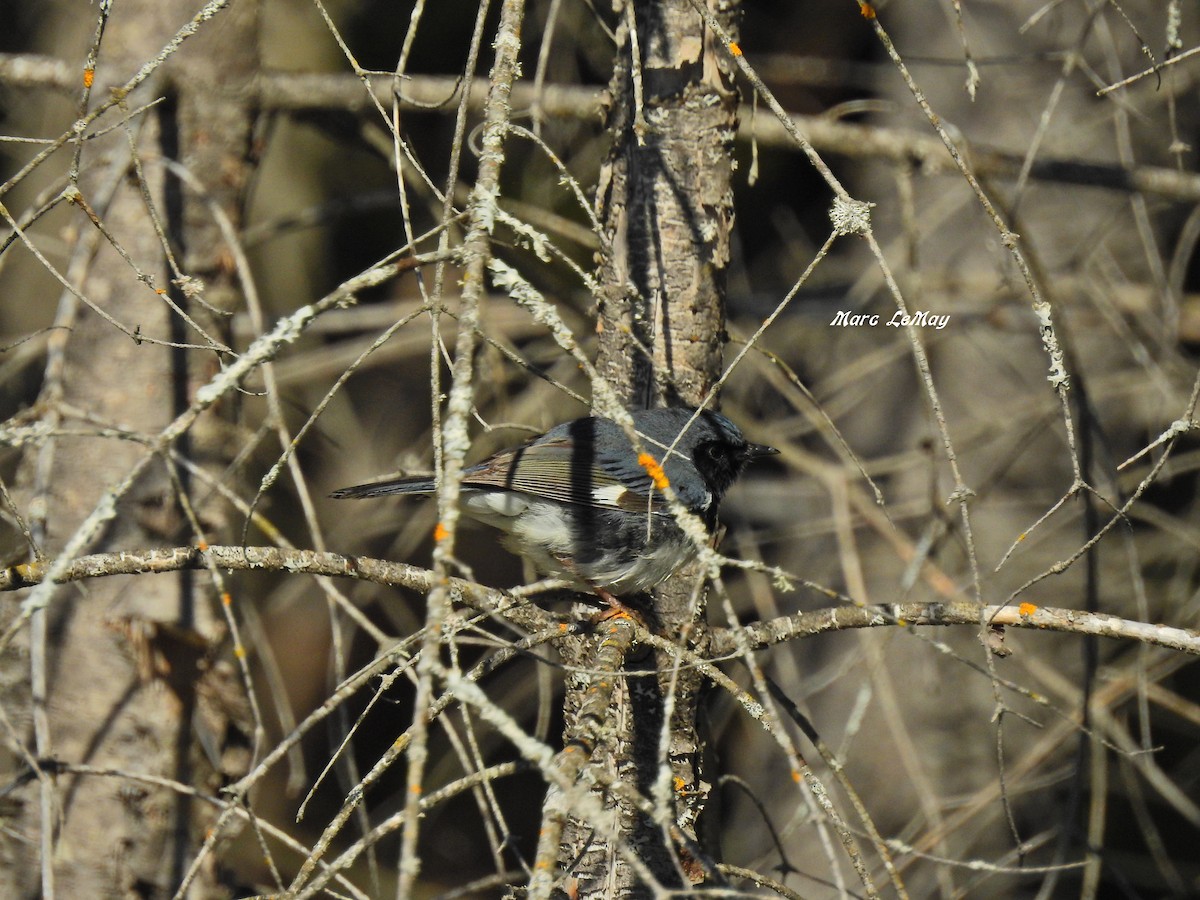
<point>757,451</point>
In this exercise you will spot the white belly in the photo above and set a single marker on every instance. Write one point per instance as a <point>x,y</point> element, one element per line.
<point>537,529</point>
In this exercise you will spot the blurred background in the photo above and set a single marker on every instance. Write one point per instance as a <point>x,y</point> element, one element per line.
<point>980,769</point>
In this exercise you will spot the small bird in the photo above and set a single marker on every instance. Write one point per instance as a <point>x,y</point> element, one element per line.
<point>580,501</point>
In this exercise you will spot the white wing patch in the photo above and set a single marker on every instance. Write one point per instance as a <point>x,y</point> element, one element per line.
<point>608,494</point>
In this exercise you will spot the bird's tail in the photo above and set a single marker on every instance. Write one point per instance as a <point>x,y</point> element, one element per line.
<point>417,484</point>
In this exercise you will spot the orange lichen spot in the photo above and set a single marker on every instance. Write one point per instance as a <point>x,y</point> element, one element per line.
<point>440,533</point>
<point>202,545</point>
<point>226,598</point>
<point>89,77</point>
<point>416,789</point>
<point>160,291</point>
<point>1027,609</point>
<point>239,651</point>
<point>796,776</point>
<point>867,10</point>
<point>680,785</point>
<point>614,616</point>
<point>654,470</point>
<point>734,48</point>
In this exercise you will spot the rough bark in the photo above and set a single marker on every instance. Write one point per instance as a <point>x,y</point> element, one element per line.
<point>666,205</point>
<point>116,670</point>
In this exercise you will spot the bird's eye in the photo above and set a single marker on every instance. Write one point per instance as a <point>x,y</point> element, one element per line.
<point>714,452</point>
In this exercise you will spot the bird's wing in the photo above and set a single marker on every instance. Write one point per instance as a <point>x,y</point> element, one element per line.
<point>567,469</point>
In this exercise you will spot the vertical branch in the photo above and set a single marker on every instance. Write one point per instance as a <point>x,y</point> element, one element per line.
<point>666,204</point>
<point>666,207</point>
<point>208,131</point>
<point>455,439</point>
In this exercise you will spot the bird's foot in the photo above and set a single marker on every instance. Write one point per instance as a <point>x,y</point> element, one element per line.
<point>616,609</point>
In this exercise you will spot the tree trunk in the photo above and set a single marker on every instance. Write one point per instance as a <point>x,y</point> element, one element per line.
<point>107,675</point>
<point>666,204</point>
